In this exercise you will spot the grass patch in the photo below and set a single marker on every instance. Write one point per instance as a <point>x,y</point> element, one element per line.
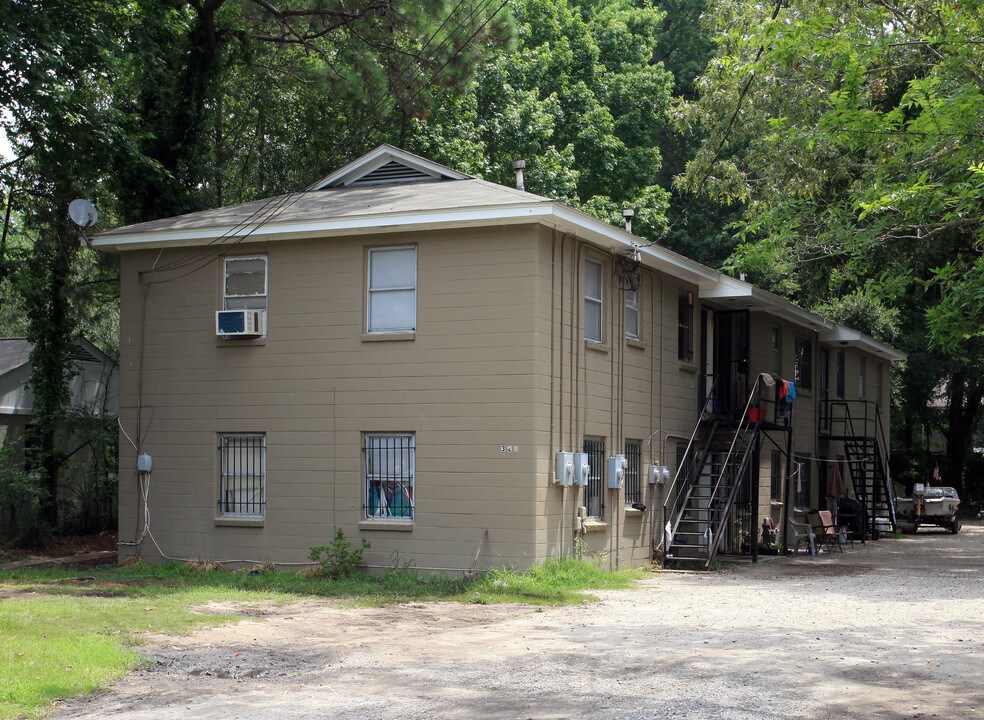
<point>77,633</point>
<point>59,646</point>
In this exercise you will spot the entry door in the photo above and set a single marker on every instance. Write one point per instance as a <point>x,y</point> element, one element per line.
<point>731,362</point>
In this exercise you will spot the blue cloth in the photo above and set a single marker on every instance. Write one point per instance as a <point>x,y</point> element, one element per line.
<point>791,392</point>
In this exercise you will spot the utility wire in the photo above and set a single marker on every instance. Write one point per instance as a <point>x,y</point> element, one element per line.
<point>203,257</point>
<point>724,137</point>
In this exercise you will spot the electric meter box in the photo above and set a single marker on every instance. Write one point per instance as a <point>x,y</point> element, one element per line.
<point>581,469</point>
<point>617,466</point>
<point>564,471</point>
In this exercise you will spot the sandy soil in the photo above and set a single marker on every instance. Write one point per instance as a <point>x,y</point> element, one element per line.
<point>893,629</point>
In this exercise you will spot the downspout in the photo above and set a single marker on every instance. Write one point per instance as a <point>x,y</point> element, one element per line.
<point>553,324</point>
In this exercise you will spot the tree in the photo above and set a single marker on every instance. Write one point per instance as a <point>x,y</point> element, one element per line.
<point>850,134</point>
<point>158,107</point>
<point>583,98</point>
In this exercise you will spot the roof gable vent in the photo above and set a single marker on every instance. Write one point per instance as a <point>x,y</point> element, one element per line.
<point>393,172</point>
<point>387,164</point>
<point>80,354</point>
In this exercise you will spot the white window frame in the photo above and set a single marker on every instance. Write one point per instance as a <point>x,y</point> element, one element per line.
<point>633,318</point>
<point>777,349</point>
<point>371,291</point>
<point>256,479</point>
<point>374,507</point>
<point>265,295</point>
<point>685,325</point>
<point>592,266</point>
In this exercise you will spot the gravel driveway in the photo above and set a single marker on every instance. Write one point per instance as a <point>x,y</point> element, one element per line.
<point>893,629</point>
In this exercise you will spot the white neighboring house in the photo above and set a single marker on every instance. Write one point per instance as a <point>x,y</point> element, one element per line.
<point>94,388</point>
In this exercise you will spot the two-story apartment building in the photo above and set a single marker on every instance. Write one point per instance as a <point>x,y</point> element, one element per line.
<point>406,352</point>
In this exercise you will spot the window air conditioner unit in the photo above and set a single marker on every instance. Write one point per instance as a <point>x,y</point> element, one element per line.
<point>239,323</point>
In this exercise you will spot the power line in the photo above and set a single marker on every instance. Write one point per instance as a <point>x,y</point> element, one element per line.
<point>724,137</point>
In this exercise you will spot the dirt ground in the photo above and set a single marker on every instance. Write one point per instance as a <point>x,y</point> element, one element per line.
<point>893,629</point>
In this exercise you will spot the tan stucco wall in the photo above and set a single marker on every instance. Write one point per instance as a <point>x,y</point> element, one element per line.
<point>463,384</point>
<point>498,359</point>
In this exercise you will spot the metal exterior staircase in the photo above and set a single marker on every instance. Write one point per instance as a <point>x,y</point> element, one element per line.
<point>714,470</point>
<point>858,425</point>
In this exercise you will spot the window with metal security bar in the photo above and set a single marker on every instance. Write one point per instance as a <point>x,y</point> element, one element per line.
<point>388,462</point>
<point>633,473</point>
<point>802,481</point>
<point>776,476</point>
<point>685,323</point>
<point>242,475</point>
<point>594,493</point>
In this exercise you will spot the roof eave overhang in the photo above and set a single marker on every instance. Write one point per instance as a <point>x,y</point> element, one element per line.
<point>550,213</point>
<point>325,227</point>
<point>712,285</point>
<point>843,335</point>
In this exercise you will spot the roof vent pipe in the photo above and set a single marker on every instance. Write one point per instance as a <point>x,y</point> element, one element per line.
<point>519,166</point>
<point>628,214</point>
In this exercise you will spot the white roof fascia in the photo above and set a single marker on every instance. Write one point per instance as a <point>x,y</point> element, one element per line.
<point>844,335</point>
<point>604,233</point>
<point>375,159</point>
<point>358,224</point>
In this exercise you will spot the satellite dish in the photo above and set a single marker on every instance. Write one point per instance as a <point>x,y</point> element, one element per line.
<point>83,213</point>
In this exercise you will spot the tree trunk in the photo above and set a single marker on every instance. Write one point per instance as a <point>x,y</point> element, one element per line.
<point>965,403</point>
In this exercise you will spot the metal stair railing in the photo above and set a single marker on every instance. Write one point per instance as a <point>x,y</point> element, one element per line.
<point>881,449</point>
<point>733,472</point>
<point>857,445</point>
<point>678,493</point>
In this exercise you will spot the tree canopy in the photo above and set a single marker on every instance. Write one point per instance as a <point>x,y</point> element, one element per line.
<point>851,135</point>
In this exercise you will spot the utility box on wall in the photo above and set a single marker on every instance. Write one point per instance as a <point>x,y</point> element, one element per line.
<point>617,466</point>
<point>658,474</point>
<point>581,469</point>
<point>564,470</point>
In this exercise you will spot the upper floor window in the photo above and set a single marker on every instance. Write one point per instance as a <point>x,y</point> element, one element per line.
<point>244,285</point>
<point>803,363</point>
<point>879,379</point>
<point>685,324</point>
<point>840,374</point>
<point>776,349</point>
<point>863,378</point>
<point>392,301</point>
<point>593,301</point>
<point>632,314</point>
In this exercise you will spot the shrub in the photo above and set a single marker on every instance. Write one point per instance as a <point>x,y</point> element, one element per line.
<point>338,559</point>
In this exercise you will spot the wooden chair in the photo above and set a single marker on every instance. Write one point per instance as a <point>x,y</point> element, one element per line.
<point>827,534</point>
